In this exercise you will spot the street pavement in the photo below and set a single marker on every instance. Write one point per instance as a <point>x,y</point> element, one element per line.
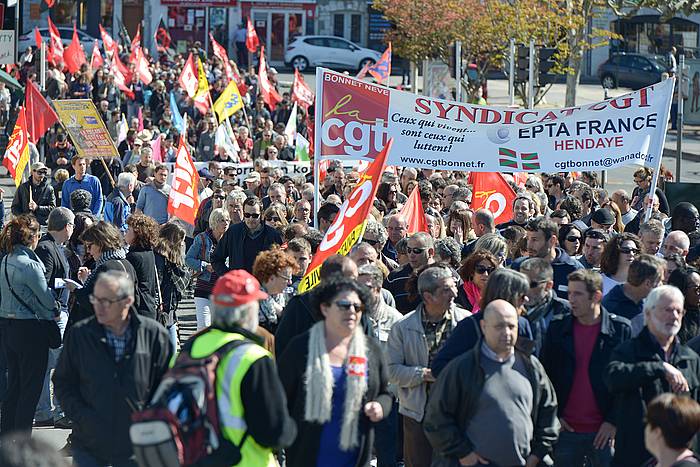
<point>498,95</point>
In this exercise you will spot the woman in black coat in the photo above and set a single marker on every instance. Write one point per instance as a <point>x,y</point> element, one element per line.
<point>348,395</point>
<point>141,236</point>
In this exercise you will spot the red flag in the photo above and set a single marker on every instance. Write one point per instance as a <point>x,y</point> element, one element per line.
<point>55,54</point>
<point>157,151</point>
<point>37,38</point>
<point>310,133</point>
<point>382,69</point>
<point>242,88</point>
<point>50,3</point>
<point>251,38</point>
<point>349,224</point>
<point>142,70</point>
<point>107,42</point>
<point>17,152</point>
<point>136,41</point>
<point>184,199</point>
<point>40,115</point>
<point>414,214</point>
<point>520,178</point>
<point>220,52</point>
<point>301,92</point>
<point>96,60</point>
<point>74,55</point>
<point>119,78</point>
<point>188,78</point>
<point>268,92</point>
<point>492,192</point>
<point>162,37</point>
<point>363,72</point>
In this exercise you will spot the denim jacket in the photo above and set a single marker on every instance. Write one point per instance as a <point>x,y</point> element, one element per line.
<point>25,272</point>
<point>194,258</point>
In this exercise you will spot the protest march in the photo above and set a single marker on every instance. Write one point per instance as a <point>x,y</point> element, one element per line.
<point>380,277</point>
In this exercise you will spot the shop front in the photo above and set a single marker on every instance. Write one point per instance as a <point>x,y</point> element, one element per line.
<point>86,14</point>
<point>191,21</point>
<point>646,34</point>
<point>278,23</point>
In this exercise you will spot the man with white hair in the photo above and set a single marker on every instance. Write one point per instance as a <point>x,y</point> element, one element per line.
<point>676,242</point>
<point>118,203</point>
<point>248,375</point>
<point>645,366</point>
<point>397,228</point>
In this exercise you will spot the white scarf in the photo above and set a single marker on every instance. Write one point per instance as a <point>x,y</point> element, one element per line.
<point>319,383</point>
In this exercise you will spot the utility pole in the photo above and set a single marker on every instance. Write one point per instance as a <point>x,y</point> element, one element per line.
<point>511,74</point>
<point>531,77</point>
<point>458,70</point>
<point>679,122</point>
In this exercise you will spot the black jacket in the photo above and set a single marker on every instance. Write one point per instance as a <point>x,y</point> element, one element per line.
<point>540,317</point>
<point>99,394</point>
<point>292,367</point>
<point>42,195</point>
<point>454,399</point>
<point>143,261</point>
<point>635,375</point>
<point>559,358</point>
<point>562,266</point>
<point>396,284</point>
<point>55,264</point>
<point>115,166</point>
<point>231,247</point>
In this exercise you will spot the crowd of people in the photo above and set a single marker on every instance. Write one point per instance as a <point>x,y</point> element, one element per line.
<point>564,336</point>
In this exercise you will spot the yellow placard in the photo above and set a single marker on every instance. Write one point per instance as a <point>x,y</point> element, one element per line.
<point>86,128</point>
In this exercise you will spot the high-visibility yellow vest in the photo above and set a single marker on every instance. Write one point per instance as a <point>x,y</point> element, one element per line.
<point>229,374</point>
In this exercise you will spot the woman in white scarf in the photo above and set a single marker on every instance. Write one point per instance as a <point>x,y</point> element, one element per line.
<point>335,380</point>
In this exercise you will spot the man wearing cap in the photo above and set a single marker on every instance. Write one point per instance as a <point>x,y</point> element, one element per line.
<point>84,181</point>
<point>252,184</point>
<point>247,375</point>
<point>35,196</point>
<point>603,219</point>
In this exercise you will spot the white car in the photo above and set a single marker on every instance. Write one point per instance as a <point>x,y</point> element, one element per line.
<point>329,51</point>
<point>27,39</point>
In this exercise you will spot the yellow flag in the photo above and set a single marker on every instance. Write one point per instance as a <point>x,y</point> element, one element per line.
<point>229,102</point>
<point>17,152</point>
<point>201,97</point>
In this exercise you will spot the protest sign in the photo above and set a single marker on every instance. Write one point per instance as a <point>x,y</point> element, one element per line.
<point>86,128</point>
<point>7,47</point>
<point>290,168</point>
<point>356,119</point>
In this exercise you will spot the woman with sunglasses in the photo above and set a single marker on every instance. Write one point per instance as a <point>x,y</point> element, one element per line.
<point>643,178</point>
<point>276,217</point>
<point>335,380</point>
<point>571,239</point>
<point>616,258</point>
<point>274,269</point>
<point>388,192</point>
<point>475,273</point>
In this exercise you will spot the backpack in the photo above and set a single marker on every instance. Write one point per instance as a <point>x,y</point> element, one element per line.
<point>181,424</point>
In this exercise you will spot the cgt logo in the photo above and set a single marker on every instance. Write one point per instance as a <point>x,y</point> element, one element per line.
<point>353,122</point>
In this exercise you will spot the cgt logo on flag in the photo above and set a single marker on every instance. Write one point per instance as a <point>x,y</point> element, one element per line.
<point>509,159</point>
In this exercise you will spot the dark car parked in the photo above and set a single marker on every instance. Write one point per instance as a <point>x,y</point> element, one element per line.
<point>631,70</point>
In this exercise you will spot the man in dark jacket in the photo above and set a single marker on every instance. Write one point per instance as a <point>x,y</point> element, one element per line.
<point>243,241</point>
<point>576,351</point>
<point>494,404</point>
<point>645,366</point>
<point>421,251</point>
<point>110,365</point>
<point>542,243</point>
<point>645,273</point>
<point>41,201</point>
<point>543,305</point>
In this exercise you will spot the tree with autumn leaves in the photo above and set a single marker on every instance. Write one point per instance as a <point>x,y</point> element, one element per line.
<point>425,29</point>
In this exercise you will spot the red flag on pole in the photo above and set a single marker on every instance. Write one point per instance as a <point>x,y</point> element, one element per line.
<point>37,38</point>
<point>40,115</point>
<point>96,60</point>
<point>107,42</point>
<point>220,52</point>
<point>492,192</point>
<point>414,214</point>
<point>251,38</point>
<point>184,199</point>
<point>55,54</point>
<point>142,70</point>
<point>301,92</point>
<point>136,41</point>
<point>74,55</point>
<point>268,92</point>
<point>188,78</point>
<point>17,152</point>
<point>382,69</point>
<point>162,37</point>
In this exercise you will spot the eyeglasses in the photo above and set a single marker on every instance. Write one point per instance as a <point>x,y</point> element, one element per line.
<point>218,197</point>
<point>629,251</point>
<point>105,302</point>
<point>253,215</point>
<point>573,238</point>
<point>345,305</point>
<point>479,269</point>
<point>371,241</point>
<point>415,251</point>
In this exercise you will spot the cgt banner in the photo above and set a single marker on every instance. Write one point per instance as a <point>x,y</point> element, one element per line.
<point>357,118</point>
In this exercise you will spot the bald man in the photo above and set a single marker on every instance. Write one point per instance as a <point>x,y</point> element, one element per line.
<point>481,410</point>
<point>676,242</point>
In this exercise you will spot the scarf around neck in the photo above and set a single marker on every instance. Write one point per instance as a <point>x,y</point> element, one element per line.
<point>318,383</point>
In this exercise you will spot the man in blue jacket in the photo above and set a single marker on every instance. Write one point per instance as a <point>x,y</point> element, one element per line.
<point>84,181</point>
<point>118,205</point>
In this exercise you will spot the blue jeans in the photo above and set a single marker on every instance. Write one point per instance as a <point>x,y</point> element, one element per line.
<point>386,436</point>
<point>82,458</point>
<point>573,448</point>
<point>172,331</point>
<point>48,406</point>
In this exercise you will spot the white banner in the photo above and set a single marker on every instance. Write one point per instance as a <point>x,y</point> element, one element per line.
<point>290,168</point>
<point>7,47</point>
<point>355,119</point>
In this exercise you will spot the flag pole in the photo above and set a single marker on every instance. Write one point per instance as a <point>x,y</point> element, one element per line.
<point>317,144</point>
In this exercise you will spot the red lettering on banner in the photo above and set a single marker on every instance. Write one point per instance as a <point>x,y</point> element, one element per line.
<point>184,199</point>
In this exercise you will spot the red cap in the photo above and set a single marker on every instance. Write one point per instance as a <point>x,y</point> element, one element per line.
<point>236,288</point>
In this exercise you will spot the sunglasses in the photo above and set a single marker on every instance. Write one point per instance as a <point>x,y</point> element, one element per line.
<point>628,251</point>
<point>218,197</point>
<point>479,269</point>
<point>273,219</point>
<point>573,238</point>
<point>371,242</point>
<point>254,215</point>
<point>345,305</point>
<point>415,251</point>
<point>534,284</point>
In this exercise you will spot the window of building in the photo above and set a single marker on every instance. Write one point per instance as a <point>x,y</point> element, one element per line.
<point>339,25</point>
<point>355,28</point>
<point>348,26</point>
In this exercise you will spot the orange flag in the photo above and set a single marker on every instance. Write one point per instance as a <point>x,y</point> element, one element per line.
<point>184,199</point>
<point>349,225</point>
<point>414,214</point>
<point>492,192</point>
<point>40,114</point>
<point>17,152</point>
